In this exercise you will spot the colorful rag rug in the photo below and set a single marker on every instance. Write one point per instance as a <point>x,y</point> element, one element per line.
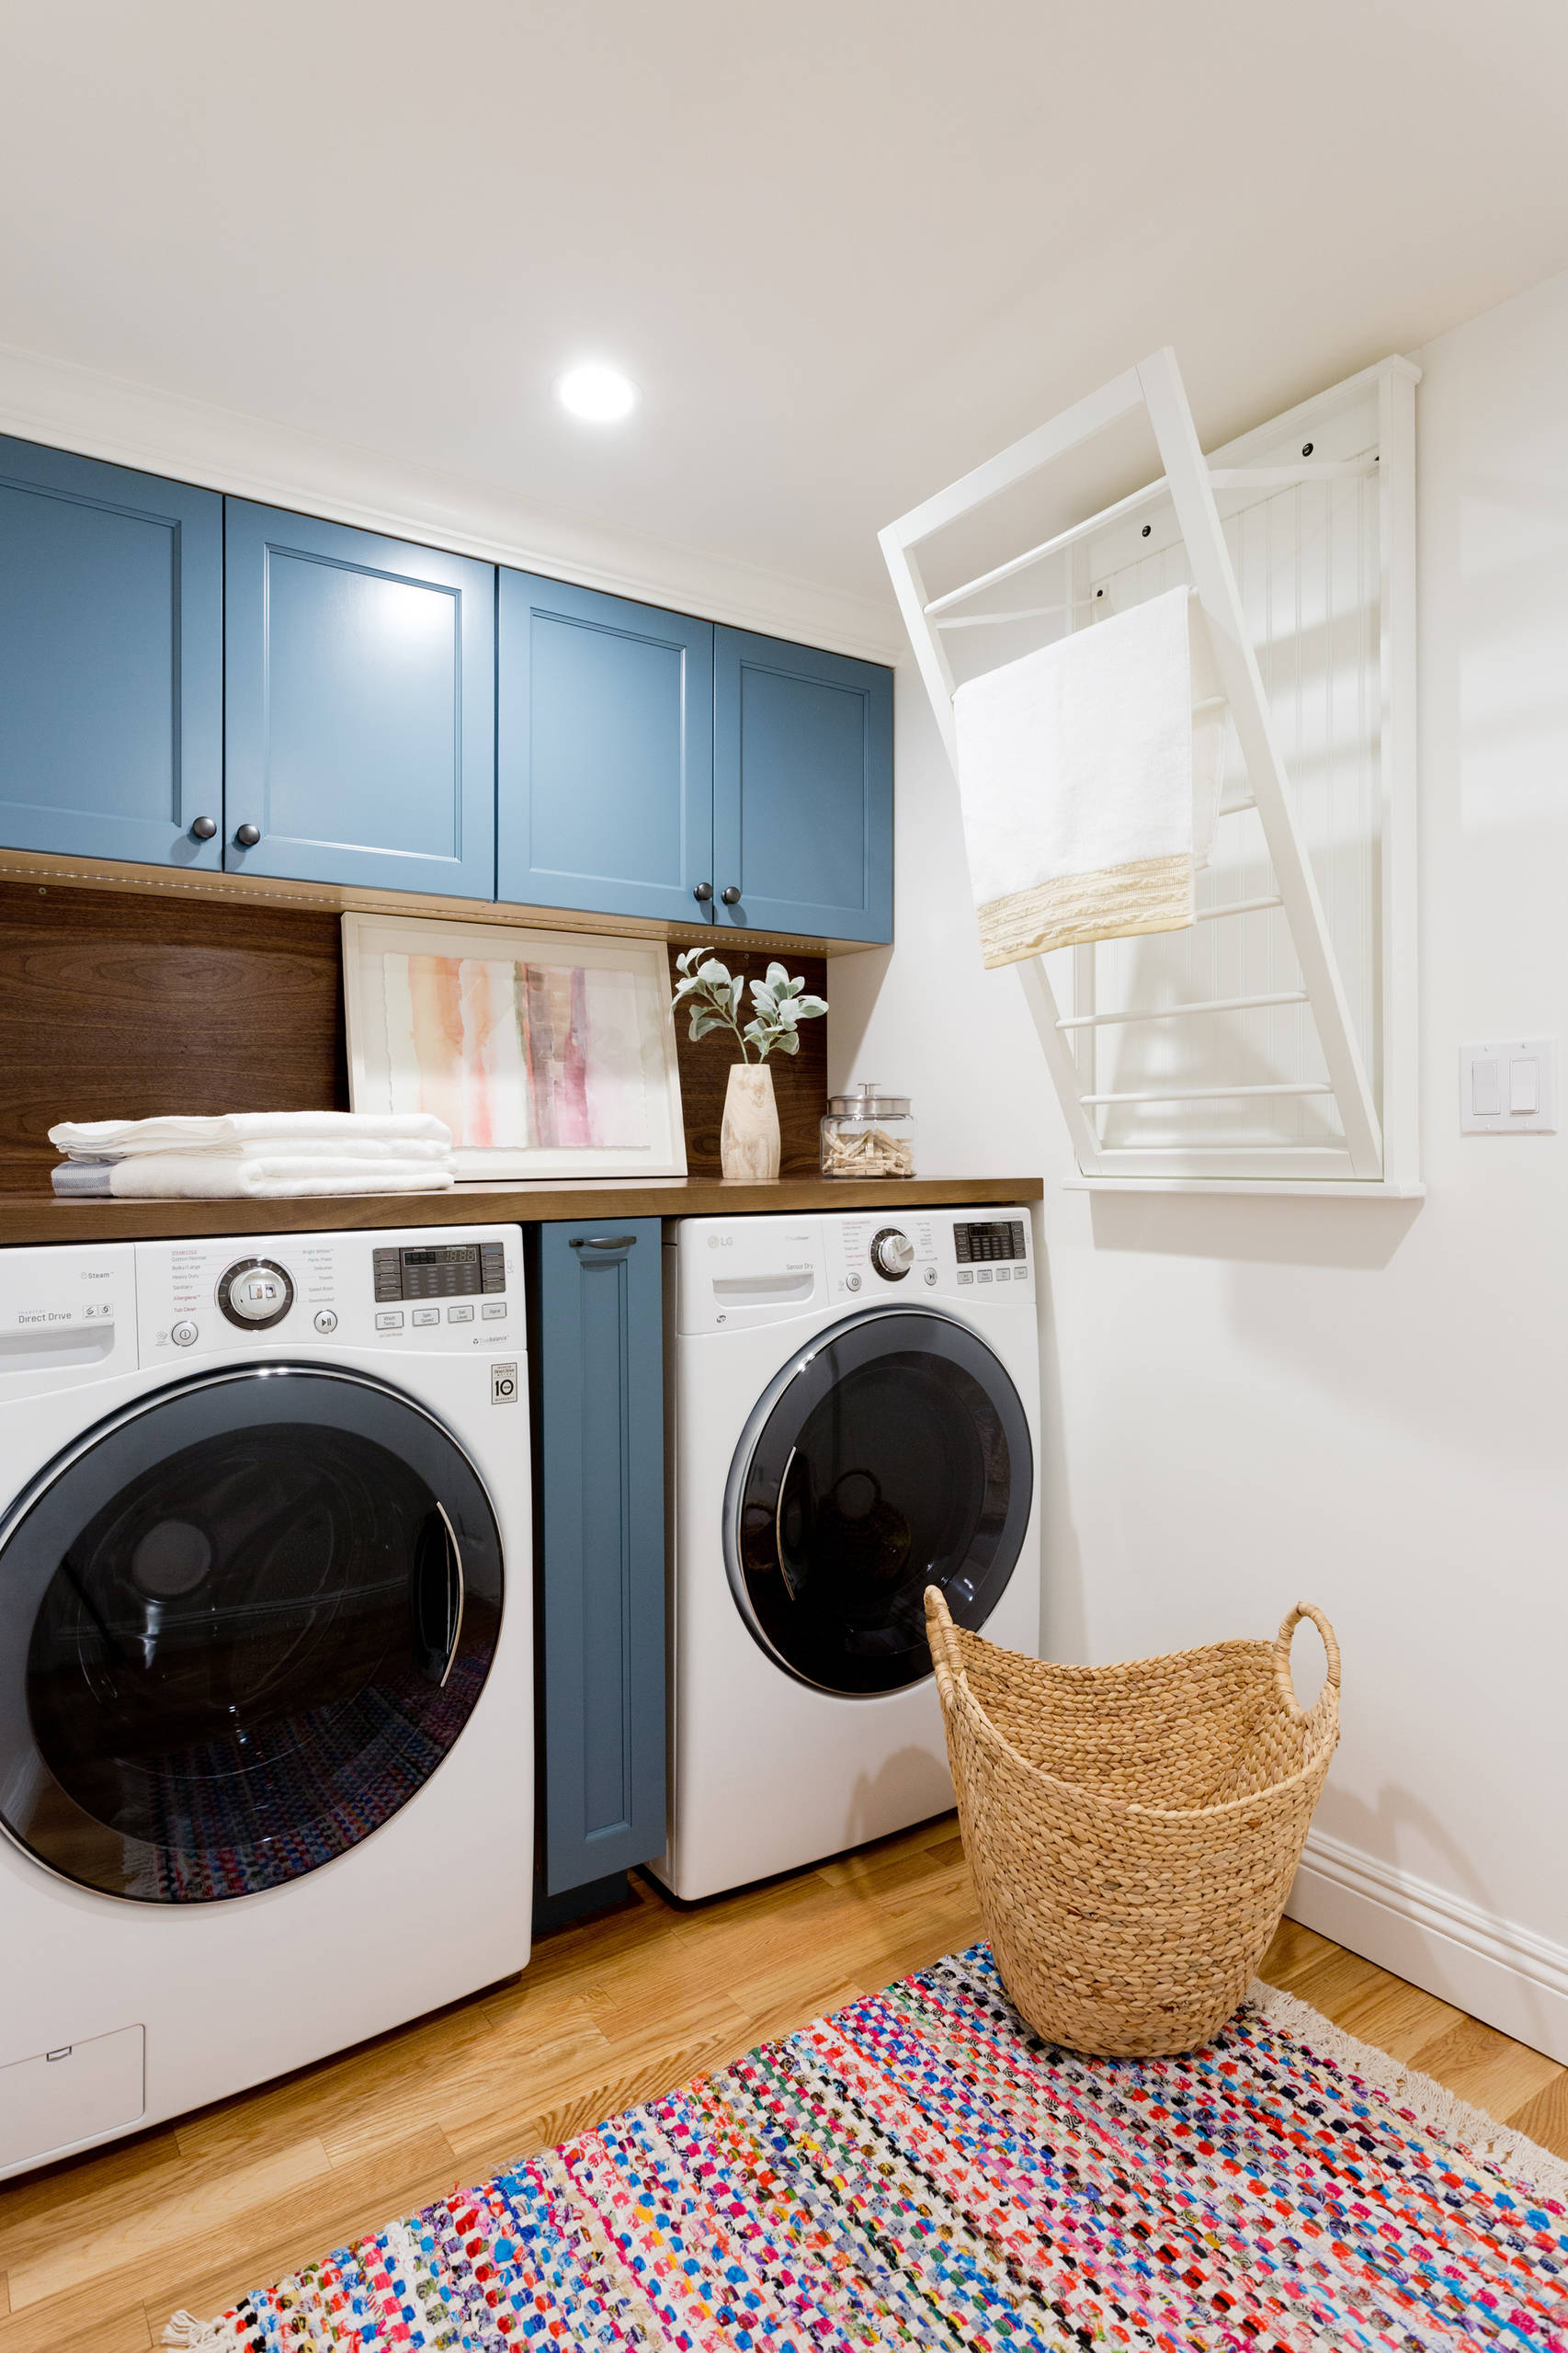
<point>922,2170</point>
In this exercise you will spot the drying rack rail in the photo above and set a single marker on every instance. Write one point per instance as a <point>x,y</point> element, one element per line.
<point>1271,1074</point>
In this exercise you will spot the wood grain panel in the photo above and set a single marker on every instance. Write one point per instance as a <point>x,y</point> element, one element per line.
<point>799,1081</point>
<point>117,1006</point>
<point>120,1004</point>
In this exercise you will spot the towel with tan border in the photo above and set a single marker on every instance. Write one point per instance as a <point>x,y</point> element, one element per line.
<point>1089,777</point>
<point>253,1156</point>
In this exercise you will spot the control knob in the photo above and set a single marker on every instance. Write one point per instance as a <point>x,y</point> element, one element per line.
<point>893,1254</point>
<point>255,1292</point>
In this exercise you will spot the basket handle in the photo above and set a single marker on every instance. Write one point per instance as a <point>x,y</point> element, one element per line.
<point>1282,1655</point>
<point>945,1656</point>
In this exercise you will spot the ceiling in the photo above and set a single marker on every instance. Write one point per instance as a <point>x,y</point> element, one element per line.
<point>846,248</point>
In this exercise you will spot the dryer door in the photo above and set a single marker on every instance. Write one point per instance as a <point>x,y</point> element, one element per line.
<point>241,1624</point>
<point>892,1454</point>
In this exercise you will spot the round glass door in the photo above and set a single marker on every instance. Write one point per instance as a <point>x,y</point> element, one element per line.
<point>240,1626</point>
<point>893,1453</point>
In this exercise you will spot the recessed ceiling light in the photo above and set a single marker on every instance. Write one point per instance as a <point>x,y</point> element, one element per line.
<point>601,395</point>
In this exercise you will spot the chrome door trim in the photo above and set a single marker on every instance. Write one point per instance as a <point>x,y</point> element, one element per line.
<point>58,1464</point>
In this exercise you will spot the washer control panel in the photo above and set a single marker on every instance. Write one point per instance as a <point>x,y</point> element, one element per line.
<point>438,1290</point>
<point>427,1270</point>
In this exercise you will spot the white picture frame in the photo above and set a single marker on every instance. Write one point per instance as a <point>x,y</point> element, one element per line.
<point>567,1071</point>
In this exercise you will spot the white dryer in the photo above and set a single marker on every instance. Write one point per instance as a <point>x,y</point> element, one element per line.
<point>855,1415</point>
<point>266,1676</point>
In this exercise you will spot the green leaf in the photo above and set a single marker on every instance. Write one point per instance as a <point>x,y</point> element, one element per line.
<point>704,1018</point>
<point>807,1008</point>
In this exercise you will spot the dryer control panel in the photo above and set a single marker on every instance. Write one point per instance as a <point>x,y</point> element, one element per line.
<point>738,1272</point>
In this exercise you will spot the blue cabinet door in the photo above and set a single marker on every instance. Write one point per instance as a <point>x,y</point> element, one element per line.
<point>802,789</point>
<point>605,766</point>
<point>597,1363</point>
<point>112,660</point>
<point>361,720</point>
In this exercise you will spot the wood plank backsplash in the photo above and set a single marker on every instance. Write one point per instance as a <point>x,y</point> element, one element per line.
<point>119,1004</point>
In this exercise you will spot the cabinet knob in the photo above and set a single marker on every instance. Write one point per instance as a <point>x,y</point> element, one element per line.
<point>702,892</point>
<point>732,895</point>
<point>247,836</point>
<point>203,828</point>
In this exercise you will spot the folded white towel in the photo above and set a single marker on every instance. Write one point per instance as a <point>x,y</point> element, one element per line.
<point>201,1177</point>
<point>406,1135</point>
<point>1089,786</point>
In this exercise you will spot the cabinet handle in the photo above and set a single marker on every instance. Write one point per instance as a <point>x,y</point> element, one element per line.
<point>732,895</point>
<point>702,892</point>
<point>203,828</point>
<point>247,836</point>
<point>603,1242</point>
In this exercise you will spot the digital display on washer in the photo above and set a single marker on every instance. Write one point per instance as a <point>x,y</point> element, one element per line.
<point>977,1244</point>
<point>440,1270</point>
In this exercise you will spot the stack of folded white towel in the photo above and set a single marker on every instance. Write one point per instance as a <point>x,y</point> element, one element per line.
<point>253,1156</point>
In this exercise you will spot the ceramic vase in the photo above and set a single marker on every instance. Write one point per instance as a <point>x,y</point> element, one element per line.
<point>748,1140</point>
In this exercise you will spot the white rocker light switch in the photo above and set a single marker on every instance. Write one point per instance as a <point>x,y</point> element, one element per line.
<point>1509,1088</point>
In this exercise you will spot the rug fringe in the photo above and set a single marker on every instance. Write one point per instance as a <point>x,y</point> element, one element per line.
<point>193,2336</point>
<point>1435,2107</point>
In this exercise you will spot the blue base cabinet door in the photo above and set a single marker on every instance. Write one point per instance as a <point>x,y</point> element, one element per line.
<point>360,722</point>
<point>604,759</point>
<point>112,661</point>
<point>596,1316</point>
<point>802,789</point>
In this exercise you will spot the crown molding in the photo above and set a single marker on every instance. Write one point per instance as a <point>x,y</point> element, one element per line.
<point>131,424</point>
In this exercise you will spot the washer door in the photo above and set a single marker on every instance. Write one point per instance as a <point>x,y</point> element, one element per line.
<point>241,1624</point>
<point>892,1454</point>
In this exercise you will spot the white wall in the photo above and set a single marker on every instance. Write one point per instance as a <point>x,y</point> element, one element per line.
<point>1365,1404</point>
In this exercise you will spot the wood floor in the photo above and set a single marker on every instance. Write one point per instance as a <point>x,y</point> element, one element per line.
<point>96,2253</point>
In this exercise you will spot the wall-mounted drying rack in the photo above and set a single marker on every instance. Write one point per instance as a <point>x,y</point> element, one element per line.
<point>1272,1047</point>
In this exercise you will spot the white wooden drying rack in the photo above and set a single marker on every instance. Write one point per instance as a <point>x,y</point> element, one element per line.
<point>1375,1151</point>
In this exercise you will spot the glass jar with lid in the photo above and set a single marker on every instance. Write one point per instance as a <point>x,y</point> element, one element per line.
<point>867,1133</point>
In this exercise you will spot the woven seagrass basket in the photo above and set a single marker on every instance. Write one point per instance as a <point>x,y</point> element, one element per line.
<point>1132,1830</point>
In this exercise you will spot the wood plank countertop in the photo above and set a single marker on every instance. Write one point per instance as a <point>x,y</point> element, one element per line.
<point>42,1217</point>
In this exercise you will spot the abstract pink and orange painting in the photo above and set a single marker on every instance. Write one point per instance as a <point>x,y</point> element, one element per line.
<point>530,1055</point>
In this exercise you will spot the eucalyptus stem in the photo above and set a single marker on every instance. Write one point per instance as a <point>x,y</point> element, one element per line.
<point>712,999</point>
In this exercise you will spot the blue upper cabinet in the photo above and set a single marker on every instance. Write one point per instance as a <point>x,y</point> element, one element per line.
<point>360,714</point>
<point>112,681</point>
<point>605,766</point>
<point>802,789</point>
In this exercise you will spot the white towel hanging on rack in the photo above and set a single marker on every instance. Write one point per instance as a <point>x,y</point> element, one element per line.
<point>1090,774</point>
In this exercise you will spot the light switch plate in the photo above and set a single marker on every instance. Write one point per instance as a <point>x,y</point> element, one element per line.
<point>1507,1072</point>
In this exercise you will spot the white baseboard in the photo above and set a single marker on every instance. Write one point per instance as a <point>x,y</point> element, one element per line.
<point>1499,1971</point>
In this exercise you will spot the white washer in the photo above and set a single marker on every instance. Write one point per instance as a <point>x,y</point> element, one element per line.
<point>265,1567</point>
<point>855,1415</point>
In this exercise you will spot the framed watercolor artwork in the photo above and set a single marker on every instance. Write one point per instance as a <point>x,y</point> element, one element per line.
<point>548,1053</point>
